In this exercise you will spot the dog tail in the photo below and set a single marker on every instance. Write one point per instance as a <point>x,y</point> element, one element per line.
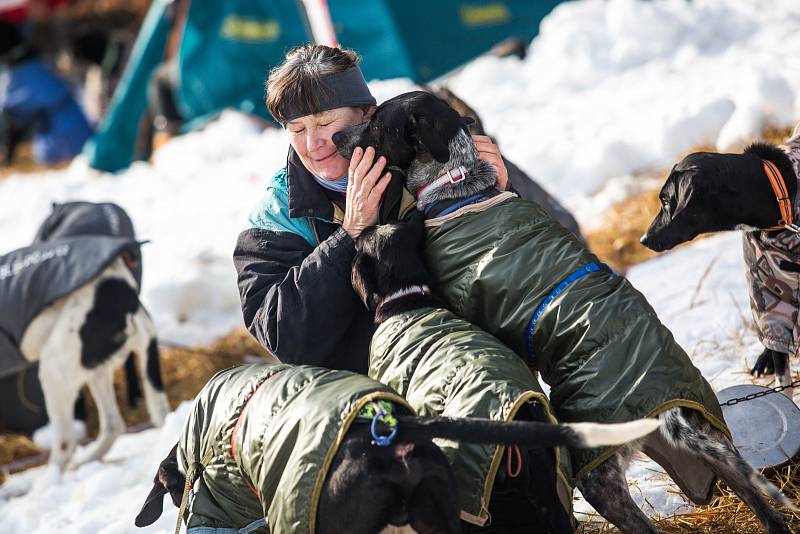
<point>168,480</point>
<point>527,433</point>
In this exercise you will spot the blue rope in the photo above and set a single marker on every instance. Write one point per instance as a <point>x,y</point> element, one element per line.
<point>457,205</point>
<point>592,267</point>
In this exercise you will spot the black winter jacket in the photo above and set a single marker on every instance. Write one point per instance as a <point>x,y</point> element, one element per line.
<point>294,275</point>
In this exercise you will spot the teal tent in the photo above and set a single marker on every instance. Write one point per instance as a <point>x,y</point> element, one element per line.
<point>424,39</point>
<point>228,46</point>
<point>225,52</point>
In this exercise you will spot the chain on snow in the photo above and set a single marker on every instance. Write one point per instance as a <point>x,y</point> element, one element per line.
<point>776,389</point>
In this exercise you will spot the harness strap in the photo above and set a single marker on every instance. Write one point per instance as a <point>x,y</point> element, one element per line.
<point>592,267</point>
<point>235,433</point>
<point>196,468</point>
<point>781,193</point>
<point>453,207</point>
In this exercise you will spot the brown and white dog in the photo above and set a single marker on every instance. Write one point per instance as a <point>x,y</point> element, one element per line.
<point>756,192</point>
<point>427,141</point>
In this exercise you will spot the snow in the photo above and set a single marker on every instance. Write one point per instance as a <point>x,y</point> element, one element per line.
<point>608,90</point>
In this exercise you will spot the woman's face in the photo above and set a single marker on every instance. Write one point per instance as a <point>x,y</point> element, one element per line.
<point>310,137</point>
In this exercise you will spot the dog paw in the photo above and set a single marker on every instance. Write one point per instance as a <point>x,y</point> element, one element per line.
<point>764,364</point>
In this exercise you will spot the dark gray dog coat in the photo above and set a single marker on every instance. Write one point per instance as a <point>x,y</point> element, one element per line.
<point>34,277</point>
<point>73,219</point>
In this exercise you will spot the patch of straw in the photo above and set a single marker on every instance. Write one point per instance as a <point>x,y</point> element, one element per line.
<point>185,372</point>
<point>726,514</point>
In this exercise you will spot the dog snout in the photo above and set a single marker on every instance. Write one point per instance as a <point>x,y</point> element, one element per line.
<point>347,140</point>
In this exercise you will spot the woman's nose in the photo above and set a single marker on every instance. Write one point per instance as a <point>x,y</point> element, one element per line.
<point>314,140</point>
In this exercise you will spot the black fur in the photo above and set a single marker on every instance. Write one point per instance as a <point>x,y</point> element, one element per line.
<point>103,332</point>
<point>420,135</point>
<point>409,126</point>
<point>154,365</point>
<point>134,386</point>
<point>707,192</point>
<point>168,480</point>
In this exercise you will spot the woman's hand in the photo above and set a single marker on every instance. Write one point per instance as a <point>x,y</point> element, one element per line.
<point>490,152</point>
<point>365,188</point>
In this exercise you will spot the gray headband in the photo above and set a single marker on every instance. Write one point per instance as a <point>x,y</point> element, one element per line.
<point>343,89</point>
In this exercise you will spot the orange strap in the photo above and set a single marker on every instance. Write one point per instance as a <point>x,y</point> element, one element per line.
<point>781,193</point>
<point>513,473</point>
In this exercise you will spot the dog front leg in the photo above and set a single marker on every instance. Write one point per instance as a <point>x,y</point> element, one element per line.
<point>101,384</point>
<point>606,489</point>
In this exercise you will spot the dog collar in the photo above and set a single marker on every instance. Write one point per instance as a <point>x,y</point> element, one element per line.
<point>406,291</point>
<point>782,194</point>
<point>451,176</point>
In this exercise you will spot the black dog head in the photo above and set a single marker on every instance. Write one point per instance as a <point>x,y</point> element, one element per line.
<point>389,258</point>
<point>708,192</point>
<point>369,487</point>
<point>412,125</point>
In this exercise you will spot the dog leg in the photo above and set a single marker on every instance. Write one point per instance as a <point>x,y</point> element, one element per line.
<point>606,489</point>
<point>60,392</point>
<point>783,372</point>
<point>148,358</point>
<point>685,429</point>
<point>101,384</point>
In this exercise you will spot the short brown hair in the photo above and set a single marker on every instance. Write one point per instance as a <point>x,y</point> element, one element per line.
<point>296,81</point>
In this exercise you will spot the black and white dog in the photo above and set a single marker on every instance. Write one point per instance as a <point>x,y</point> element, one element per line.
<point>756,192</point>
<point>70,302</point>
<point>428,142</point>
<point>368,486</point>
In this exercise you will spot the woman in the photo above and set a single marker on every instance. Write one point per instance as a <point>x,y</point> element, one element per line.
<point>294,259</point>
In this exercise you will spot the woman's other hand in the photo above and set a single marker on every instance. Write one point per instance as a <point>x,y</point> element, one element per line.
<point>490,152</point>
<point>365,187</point>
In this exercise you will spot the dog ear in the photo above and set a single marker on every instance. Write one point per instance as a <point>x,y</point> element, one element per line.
<point>362,278</point>
<point>427,136</point>
<point>153,505</point>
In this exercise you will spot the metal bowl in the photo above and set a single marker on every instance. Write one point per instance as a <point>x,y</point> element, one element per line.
<point>766,430</point>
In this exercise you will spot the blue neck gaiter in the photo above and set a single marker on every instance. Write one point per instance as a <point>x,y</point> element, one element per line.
<point>339,185</point>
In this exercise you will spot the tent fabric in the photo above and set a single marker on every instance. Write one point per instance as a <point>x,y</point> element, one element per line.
<point>112,147</point>
<point>34,277</point>
<point>225,53</point>
<point>227,49</point>
<point>423,40</point>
